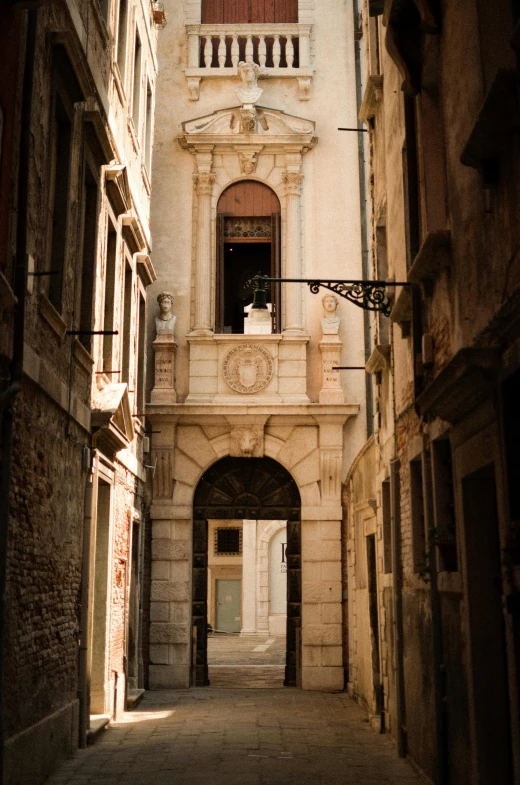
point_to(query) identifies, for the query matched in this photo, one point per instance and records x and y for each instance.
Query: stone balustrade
(280, 50)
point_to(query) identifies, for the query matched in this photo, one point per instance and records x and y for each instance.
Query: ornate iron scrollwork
(369, 295)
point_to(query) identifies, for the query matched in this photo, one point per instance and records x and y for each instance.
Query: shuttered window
(249, 11)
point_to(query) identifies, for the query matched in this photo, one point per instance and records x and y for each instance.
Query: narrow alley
(220, 736)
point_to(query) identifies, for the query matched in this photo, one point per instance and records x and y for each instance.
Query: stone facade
(248, 116)
(76, 112)
(431, 522)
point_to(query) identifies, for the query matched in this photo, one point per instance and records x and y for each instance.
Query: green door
(228, 606)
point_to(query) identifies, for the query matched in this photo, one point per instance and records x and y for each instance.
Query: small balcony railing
(280, 50)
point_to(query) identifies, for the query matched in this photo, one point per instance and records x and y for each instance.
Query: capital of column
(293, 182)
(204, 182)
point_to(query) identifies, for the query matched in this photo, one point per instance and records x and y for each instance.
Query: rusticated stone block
(170, 550)
(168, 633)
(169, 591)
(329, 635)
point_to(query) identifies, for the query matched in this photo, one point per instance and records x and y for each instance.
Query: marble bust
(330, 322)
(248, 92)
(165, 322)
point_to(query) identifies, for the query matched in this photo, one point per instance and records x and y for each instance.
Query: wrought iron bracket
(368, 295)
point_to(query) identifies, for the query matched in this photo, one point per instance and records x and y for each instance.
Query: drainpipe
(8, 396)
(397, 597)
(364, 222)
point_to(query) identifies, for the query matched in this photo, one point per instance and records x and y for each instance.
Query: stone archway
(238, 489)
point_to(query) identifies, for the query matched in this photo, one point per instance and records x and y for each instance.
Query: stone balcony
(280, 50)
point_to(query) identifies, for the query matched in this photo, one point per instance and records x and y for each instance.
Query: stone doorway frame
(282, 502)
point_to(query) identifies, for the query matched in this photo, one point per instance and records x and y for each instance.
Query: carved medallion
(248, 368)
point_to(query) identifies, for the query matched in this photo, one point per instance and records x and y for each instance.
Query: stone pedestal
(165, 349)
(331, 390)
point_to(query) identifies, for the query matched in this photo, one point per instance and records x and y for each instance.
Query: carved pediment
(112, 423)
(261, 124)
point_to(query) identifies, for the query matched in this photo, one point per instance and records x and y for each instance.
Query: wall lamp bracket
(368, 295)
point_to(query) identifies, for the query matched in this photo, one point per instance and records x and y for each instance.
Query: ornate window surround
(219, 150)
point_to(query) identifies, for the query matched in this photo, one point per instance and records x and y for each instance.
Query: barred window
(228, 541)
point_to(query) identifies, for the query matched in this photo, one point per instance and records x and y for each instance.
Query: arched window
(248, 237)
(249, 11)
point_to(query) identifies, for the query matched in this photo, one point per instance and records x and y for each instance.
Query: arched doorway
(239, 489)
(248, 242)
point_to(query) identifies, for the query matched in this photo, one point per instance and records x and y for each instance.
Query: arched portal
(248, 242)
(239, 489)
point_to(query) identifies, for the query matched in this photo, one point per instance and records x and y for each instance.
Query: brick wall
(44, 561)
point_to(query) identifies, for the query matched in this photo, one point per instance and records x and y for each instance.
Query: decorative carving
(270, 123)
(248, 162)
(163, 475)
(204, 182)
(330, 471)
(248, 93)
(330, 348)
(248, 120)
(248, 368)
(293, 182)
(247, 442)
(330, 322)
(304, 88)
(165, 322)
(248, 227)
(194, 87)
(257, 489)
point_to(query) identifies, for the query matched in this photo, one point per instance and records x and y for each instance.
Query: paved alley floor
(248, 662)
(208, 736)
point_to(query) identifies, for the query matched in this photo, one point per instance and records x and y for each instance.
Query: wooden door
(246, 11)
(219, 278)
(227, 611)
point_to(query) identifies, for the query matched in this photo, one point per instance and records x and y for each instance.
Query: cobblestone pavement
(252, 661)
(210, 736)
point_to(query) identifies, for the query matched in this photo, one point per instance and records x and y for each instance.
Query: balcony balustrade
(280, 50)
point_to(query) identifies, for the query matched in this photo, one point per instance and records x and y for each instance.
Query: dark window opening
(242, 261)
(122, 26)
(444, 505)
(60, 181)
(136, 93)
(417, 516)
(88, 270)
(141, 355)
(248, 242)
(387, 526)
(108, 315)
(127, 324)
(411, 181)
(228, 541)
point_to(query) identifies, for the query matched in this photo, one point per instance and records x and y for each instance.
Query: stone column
(293, 318)
(204, 180)
(248, 578)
